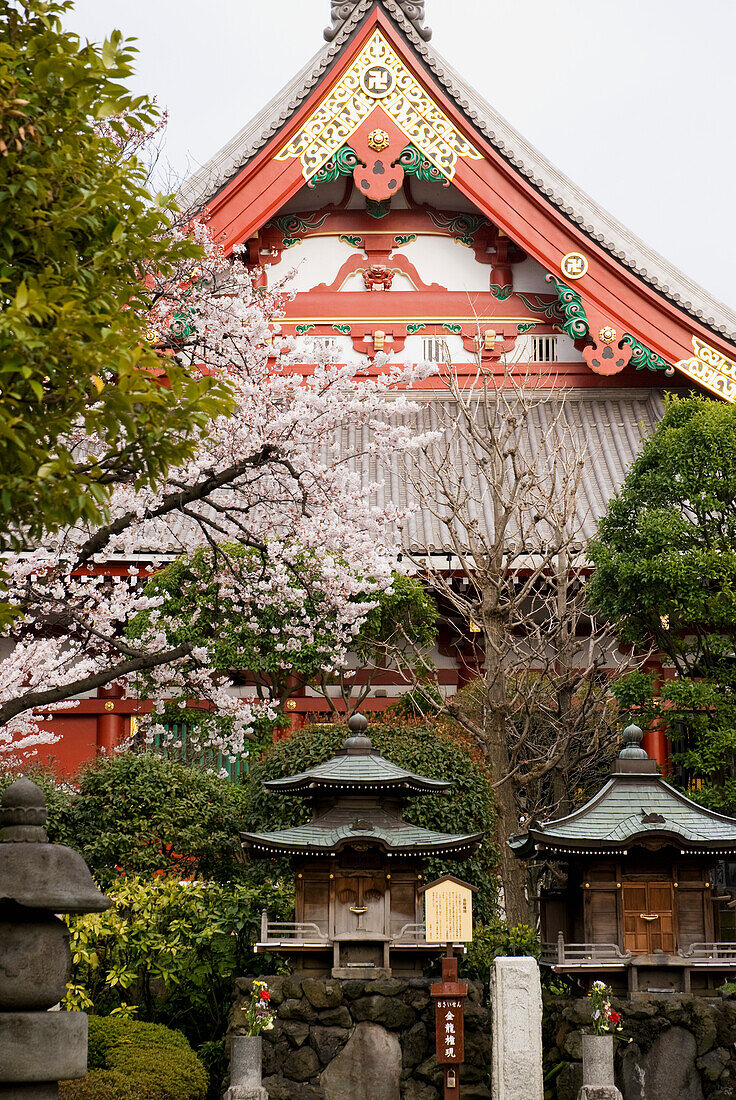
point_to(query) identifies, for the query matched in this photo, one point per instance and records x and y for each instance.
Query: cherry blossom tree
(275, 477)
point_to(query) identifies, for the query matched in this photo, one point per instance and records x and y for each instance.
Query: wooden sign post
(448, 918)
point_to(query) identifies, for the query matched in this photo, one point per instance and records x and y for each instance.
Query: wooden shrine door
(360, 903)
(649, 918)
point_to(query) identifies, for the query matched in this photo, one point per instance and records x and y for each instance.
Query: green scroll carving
(414, 327)
(462, 226)
(501, 293)
(291, 225)
(643, 358)
(351, 238)
(404, 238)
(343, 329)
(415, 164)
(574, 320)
(302, 330)
(456, 329)
(341, 164)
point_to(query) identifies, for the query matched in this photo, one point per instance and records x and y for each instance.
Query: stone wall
(363, 1040)
(681, 1048)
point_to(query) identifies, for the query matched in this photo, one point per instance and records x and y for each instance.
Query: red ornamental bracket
(449, 999)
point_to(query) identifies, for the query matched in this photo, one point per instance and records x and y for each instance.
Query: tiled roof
(627, 808)
(612, 425)
(549, 181)
(370, 770)
(407, 839)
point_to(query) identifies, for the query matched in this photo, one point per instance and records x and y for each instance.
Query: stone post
(38, 1048)
(516, 1006)
(598, 1069)
(246, 1060)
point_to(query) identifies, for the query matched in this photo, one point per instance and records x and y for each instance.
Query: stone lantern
(38, 880)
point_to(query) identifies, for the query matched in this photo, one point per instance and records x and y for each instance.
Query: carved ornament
(378, 77)
(712, 369)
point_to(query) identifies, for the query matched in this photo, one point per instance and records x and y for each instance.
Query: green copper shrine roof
(636, 804)
(358, 767)
(339, 829)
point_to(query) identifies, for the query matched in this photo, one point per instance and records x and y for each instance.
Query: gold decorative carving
(712, 369)
(378, 77)
(607, 334)
(378, 139)
(574, 265)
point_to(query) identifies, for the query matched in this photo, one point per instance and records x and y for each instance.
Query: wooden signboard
(449, 1029)
(448, 910)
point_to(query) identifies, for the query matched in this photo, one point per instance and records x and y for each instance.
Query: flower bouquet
(258, 1015)
(606, 1020)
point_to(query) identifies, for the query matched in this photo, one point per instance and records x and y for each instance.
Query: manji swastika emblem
(574, 265)
(377, 81)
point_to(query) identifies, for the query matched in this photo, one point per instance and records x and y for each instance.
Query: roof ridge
(411, 10)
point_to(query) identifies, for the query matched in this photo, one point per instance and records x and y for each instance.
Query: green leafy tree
(83, 247)
(168, 951)
(437, 750)
(138, 813)
(665, 574)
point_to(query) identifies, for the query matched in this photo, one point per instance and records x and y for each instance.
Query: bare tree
(503, 486)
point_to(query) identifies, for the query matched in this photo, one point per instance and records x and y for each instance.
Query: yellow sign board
(448, 911)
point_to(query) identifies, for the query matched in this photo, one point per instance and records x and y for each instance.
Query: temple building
(421, 224)
(358, 866)
(629, 884)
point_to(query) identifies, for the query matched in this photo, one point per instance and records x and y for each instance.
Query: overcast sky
(633, 99)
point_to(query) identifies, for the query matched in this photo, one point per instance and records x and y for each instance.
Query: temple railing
(591, 955)
(308, 933)
(288, 932)
(703, 954)
(582, 954)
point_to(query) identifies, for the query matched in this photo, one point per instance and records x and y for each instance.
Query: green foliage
(494, 939)
(170, 950)
(78, 230)
(665, 573)
(139, 813)
(437, 751)
(404, 616)
(128, 1060)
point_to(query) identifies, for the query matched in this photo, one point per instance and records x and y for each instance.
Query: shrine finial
(413, 10)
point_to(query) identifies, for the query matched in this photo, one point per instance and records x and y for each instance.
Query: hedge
(130, 1060)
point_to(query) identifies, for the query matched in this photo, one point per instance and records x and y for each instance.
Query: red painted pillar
(110, 725)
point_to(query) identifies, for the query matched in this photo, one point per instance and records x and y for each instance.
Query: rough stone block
(301, 1064)
(301, 1009)
(328, 1041)
(516, 996)
(246, 1060)
(279, 1088)
(322, 994)
(599, 1092)
(415, 1045)
(296, 1031)
(335, 1017)
(367, 1068)
(389, 1011)
(42, 1046)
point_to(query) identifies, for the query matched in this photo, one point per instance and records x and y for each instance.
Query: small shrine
(358, 866)
(629, 884)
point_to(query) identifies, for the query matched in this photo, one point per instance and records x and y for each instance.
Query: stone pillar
(38, 880)
(246, 1060)
(516, 1005)
(598, 1069)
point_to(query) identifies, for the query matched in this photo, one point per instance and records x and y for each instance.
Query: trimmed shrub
(130, 1060)
(437, 750)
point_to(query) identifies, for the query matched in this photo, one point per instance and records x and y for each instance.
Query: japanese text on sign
(449, 1030)
(448, 913)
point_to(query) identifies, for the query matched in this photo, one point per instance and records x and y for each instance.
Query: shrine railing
(582, 954)
(287, 932)
(704, 954)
